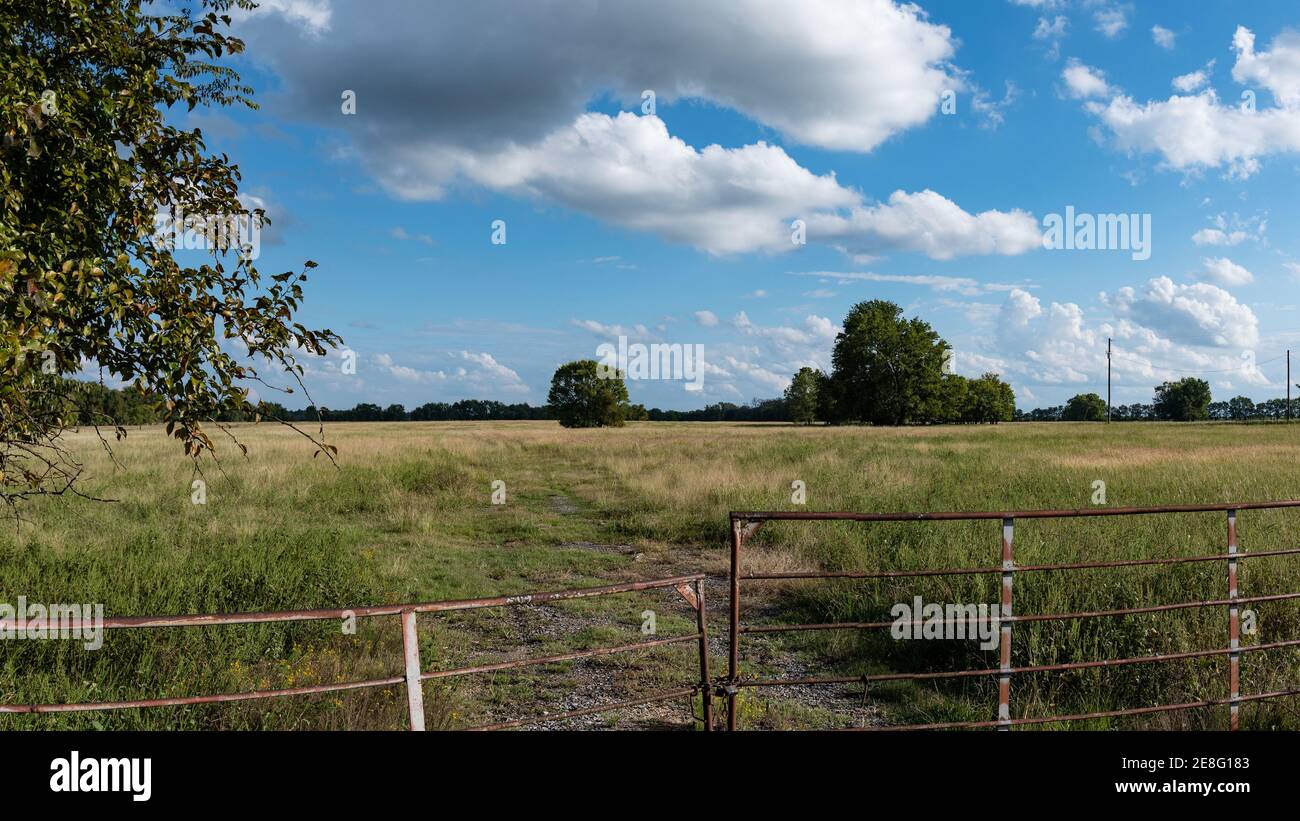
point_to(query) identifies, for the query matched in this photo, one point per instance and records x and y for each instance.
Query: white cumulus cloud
(928, 222)
(1223, 271)
(1194, 314)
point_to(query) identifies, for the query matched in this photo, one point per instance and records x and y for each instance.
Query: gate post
(414, 689)
(706, 695)
(1004, 643)
(733, 665)
(1234, 625)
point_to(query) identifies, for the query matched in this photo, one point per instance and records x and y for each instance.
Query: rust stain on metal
(688, 595)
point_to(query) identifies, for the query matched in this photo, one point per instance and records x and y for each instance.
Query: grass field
(407, 515)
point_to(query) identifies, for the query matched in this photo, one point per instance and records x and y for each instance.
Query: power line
(1221, 370)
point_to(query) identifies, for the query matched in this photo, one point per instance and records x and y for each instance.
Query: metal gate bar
(690, 588)
(745, 524)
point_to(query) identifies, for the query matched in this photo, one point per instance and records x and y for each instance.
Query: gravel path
(597, 681)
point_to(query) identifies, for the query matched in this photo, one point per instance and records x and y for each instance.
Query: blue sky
(674, 226)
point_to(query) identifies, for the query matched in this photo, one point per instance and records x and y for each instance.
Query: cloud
(821, 327)
(1083, 82)
(1051, 32)
(1277, 69)
(940, 284)
(313, 17)
(485, 373)
(495, 369)
(1223, 271)
(1162, 37)
(990, 110)
(1057, 345)
(1213, 236)
(400, 233)
(628, 170)
(1192, 80)
(1051, 346)
(1195, 314)
(929, 223)
(708, 319)
(1195, 132)
(507, 113)
(601, 329)
(816, 329)
(763, 376)
(1053, 29)
(407, 374)
(1111, 20)
(1232, 231)
(839, 74)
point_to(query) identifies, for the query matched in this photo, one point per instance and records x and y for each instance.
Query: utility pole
(1288, 385)
(1288, 379)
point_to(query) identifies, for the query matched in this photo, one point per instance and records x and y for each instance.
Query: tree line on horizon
(1186, 400)
(102, 405)
(886, 370)
(98, 404)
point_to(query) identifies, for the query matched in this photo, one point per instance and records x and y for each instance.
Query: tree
(954, 399)
(1241, 407)
(1186, 400)
(1085, 407)
(887, 369)
(87, 164)
(828, 399)
(989, 400)
(582, 396)
(801, 396)
(637, 413)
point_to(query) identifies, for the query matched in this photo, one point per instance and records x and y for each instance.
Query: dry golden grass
(406, 515)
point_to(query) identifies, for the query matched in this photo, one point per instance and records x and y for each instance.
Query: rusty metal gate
(690, 588)
(744, 524)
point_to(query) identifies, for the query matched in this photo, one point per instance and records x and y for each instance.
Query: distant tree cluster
(96, 404)
(90, 403)
(757, 410)
(888, 370)
(1242, 408)
(1086, 407)
(1186, 400)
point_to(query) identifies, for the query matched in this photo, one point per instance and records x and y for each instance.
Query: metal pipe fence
(744, 524)
(690, 588)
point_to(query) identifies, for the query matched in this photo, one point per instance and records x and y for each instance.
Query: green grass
(407, 516)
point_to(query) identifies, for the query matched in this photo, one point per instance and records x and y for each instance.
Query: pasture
(408, 515)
